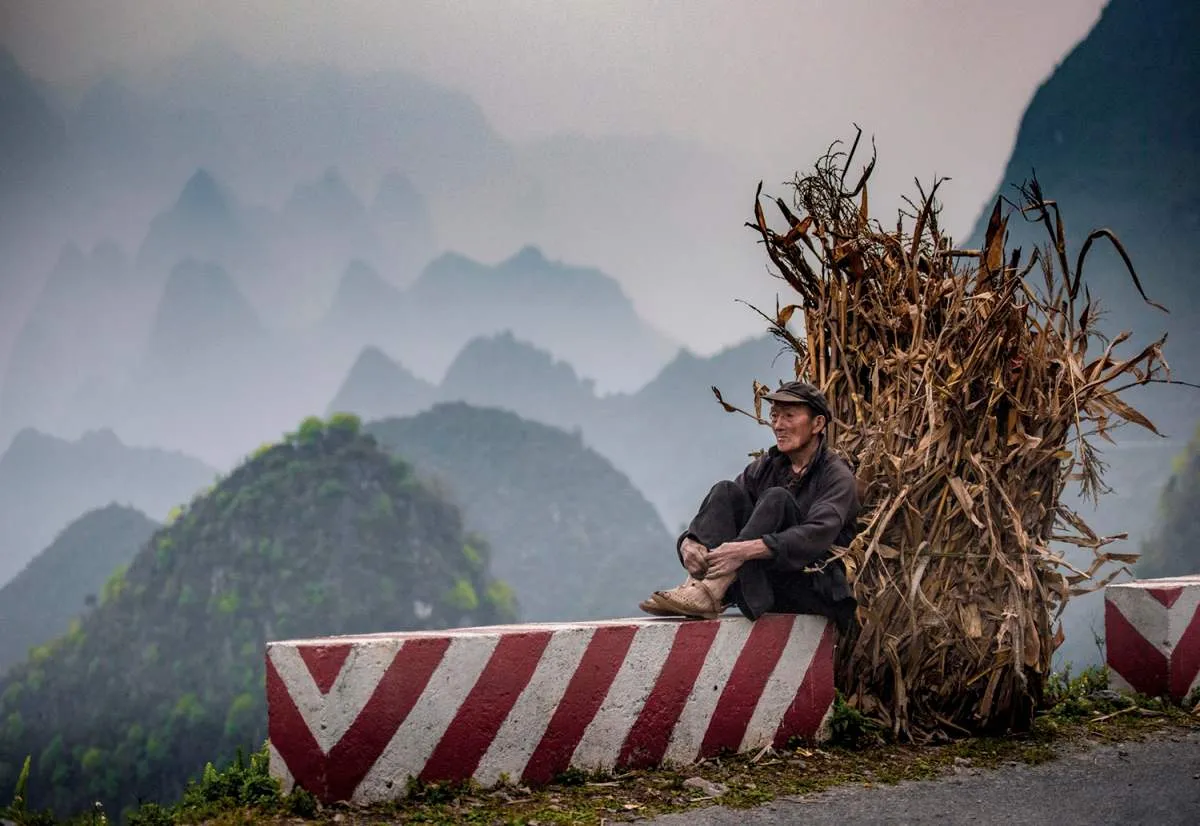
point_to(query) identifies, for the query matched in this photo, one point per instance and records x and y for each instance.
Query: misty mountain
(202, 319)
(60, 582)
(401, 217)
(503, 371)
(203, 223)
(1115, 140)
(321, 227)
(212, 379)
(378, 387)
(422, 156)
(73, 345)
(32, 134)
(321, 534)
(670, 438)
(579, 314)
(32, 139)
(568, 532)
(46, 482)
(121, 139)
(309, 117)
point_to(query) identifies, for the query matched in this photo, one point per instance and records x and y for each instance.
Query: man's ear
(820, 418)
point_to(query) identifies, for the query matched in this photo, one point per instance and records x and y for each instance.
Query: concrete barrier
(354, 718)
(1152, 635)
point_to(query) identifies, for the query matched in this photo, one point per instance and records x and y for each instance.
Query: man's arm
(801, 545)
(748, 480)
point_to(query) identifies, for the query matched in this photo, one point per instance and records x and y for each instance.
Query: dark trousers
(728, 515)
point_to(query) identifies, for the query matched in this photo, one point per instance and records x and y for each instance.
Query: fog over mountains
(195, 261)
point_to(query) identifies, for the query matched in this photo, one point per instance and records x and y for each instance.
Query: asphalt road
(1154, 782)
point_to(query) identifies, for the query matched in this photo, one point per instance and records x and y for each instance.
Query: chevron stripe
(357, 718)
(1152, 635)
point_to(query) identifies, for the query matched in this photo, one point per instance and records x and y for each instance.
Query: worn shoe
(653, 608)
(692, 599)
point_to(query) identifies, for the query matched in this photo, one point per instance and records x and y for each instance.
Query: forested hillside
(570, 533)
(323, 533)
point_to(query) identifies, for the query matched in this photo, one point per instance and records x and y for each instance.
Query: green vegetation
(1174, 549)
(321, 534)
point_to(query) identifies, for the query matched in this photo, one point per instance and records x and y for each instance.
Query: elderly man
(762, 542)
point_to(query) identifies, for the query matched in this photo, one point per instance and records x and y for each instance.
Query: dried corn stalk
(970, 393)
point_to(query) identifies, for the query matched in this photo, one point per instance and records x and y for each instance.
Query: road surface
(1154, 782)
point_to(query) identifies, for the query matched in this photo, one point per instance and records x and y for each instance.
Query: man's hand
(695, 557)
(724, 560)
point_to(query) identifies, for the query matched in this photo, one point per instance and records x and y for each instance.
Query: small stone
(962, 761)
(705, 787)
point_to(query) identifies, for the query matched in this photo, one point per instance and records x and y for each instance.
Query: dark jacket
(827, 504)
(826, 495)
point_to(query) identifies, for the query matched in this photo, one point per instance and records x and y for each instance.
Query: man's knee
(774, 497)
(726, 489)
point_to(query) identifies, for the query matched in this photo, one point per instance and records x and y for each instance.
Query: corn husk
(970, 387)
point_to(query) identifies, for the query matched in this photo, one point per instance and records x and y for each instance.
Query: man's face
(794, 425)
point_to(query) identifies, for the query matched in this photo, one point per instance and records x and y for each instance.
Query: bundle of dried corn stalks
(970, 393)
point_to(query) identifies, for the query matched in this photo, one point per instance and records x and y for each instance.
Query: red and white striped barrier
(354, 718)
(1152, 635)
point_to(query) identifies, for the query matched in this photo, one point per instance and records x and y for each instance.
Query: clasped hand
(724, 560)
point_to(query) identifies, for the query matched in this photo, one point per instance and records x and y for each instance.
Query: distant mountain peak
(203, 222)
(201, 191)
(395, 187)
(379, 385)
(104, 437)
(527, 258)
(327, 196)
(201, 307)
(29, 439)
(360, 276)
(362, 293)
(372, 360)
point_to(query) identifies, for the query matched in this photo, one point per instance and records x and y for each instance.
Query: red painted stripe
(751, 671)
(291, 737)
(483, 712)
(648, 739)
(324, 662)
(585, 692)
(1133, 656)
(395, 695)
(1166, 596)
(1185, 659)
(814, 697)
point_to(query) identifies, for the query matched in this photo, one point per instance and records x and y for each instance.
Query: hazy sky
(941, 83)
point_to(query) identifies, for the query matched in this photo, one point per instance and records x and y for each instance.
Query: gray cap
(801, 392)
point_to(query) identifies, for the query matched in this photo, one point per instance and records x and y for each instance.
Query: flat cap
(801, 392)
